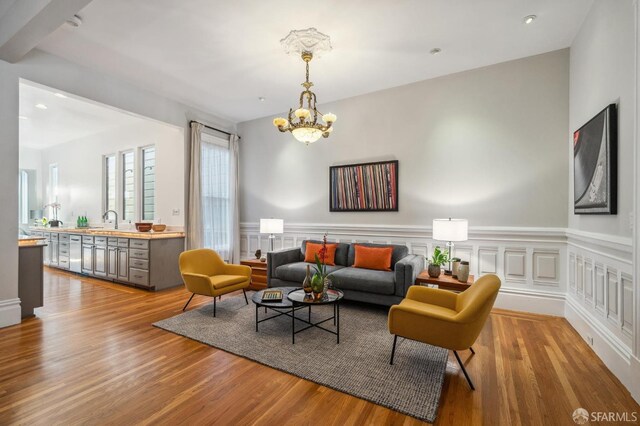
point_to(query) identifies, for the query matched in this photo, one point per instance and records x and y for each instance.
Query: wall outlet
(589, 340)
(175, 212)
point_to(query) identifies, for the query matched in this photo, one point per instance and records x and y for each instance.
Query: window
(128, 186)
(23, 201)
(148, 183)
(53, 183)
(110, 182)
(214, 175)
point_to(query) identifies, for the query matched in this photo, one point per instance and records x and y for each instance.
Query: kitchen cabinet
(46, 259)
(145, 262)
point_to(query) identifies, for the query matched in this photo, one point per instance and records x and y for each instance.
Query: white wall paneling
(600, 305)
(530, 261)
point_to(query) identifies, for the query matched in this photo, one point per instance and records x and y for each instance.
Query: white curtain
(234, 178)
(194, 216)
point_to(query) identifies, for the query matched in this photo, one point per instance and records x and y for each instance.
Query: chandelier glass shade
(303, 122)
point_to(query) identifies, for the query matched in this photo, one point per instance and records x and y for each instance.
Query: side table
(258, 273)
(446, 282)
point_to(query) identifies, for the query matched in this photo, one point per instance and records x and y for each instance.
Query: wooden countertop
(31, 241)
(114, 233)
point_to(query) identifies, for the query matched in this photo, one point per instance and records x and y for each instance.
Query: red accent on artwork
(576, 136)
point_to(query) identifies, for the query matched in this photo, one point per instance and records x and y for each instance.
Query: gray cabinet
(112, 262)
(87, 259)
(46, 258)
(143, 262)
(123, 264)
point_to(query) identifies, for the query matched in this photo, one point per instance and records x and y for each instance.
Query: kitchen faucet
(104, 216)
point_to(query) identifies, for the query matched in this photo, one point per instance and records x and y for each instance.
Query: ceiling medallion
(303, 122)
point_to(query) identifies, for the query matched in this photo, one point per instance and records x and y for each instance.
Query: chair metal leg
(464, 371)
(245, 296)
(471, 349)
(393, 350)
(188, 301)
(214, 307)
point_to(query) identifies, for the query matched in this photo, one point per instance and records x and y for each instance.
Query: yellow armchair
(443, 318)
(204, 272)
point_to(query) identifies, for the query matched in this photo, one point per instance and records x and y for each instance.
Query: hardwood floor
(92, 357)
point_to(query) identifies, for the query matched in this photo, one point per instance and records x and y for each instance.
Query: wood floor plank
(91, 356)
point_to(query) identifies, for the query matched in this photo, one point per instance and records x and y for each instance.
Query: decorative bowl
(143, 227)
(159, 228)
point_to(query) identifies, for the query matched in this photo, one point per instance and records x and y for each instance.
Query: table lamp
(450, 230)
(271, 227)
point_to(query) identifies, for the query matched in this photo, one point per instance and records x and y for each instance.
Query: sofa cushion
(399, 251)
(342, 251)
(378, 258)
(296, 272)
(365, 280)
(313, 249)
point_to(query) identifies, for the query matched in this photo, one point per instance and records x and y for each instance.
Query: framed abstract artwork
(366, 187)
(595, 164)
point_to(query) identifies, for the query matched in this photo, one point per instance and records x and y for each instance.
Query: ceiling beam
(26, 23)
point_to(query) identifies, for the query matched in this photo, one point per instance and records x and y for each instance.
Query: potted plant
(438, 259)
(320, 279)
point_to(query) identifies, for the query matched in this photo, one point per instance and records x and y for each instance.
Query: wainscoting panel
(531, 261)
(600, 305)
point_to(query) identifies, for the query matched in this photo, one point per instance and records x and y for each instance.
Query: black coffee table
(294, 300)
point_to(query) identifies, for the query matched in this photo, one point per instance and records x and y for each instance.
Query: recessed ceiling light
(41, 106)
(22, 117)
(75, 21)
(261, 99)
(60, 95)
(529, 19)
(435, 51)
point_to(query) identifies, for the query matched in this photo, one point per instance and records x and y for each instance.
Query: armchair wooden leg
(471, 349)
(464, 371)
(393, 350)
(188, 301)
(245, 296)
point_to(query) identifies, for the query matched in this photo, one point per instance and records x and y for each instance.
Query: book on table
(272, 296)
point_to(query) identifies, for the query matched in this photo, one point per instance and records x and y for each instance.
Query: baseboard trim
(536, 302)
(10, 312)
(609, 348)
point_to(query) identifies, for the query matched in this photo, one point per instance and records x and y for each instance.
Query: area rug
(358, 366)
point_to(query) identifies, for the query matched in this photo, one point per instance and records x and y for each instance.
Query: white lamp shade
(271, 226)
(450, 229)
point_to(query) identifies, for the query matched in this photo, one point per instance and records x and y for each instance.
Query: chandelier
(303, 122)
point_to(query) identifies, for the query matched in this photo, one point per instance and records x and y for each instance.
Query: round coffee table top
(299, 297)
(285, 303)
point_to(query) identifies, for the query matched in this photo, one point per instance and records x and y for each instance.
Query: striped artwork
(364, 187)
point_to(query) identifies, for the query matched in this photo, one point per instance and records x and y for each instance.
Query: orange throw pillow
(314, 248)
(378, 258)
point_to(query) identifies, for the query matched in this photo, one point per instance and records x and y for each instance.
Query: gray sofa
(287, 268)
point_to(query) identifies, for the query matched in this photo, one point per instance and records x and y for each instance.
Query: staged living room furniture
(204, 272)
(442, 318)
(294, 300)
(258, 273)
(287, 268)
(446, 282)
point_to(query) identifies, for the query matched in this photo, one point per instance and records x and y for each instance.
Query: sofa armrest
(406, 271)
(279, 258)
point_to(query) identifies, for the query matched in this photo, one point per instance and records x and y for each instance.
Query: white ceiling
(65, 119)
(221, 56)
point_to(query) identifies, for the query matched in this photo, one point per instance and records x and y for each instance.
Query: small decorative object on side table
(258, 273)
(446, 282)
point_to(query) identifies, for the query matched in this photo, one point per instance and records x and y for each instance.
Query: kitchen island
(30, 274)
(143, 259)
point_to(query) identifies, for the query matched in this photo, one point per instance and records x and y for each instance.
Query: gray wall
(602, 71)
(487, 144)
(55, 72)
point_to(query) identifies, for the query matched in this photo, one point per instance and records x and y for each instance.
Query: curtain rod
(212, 128)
